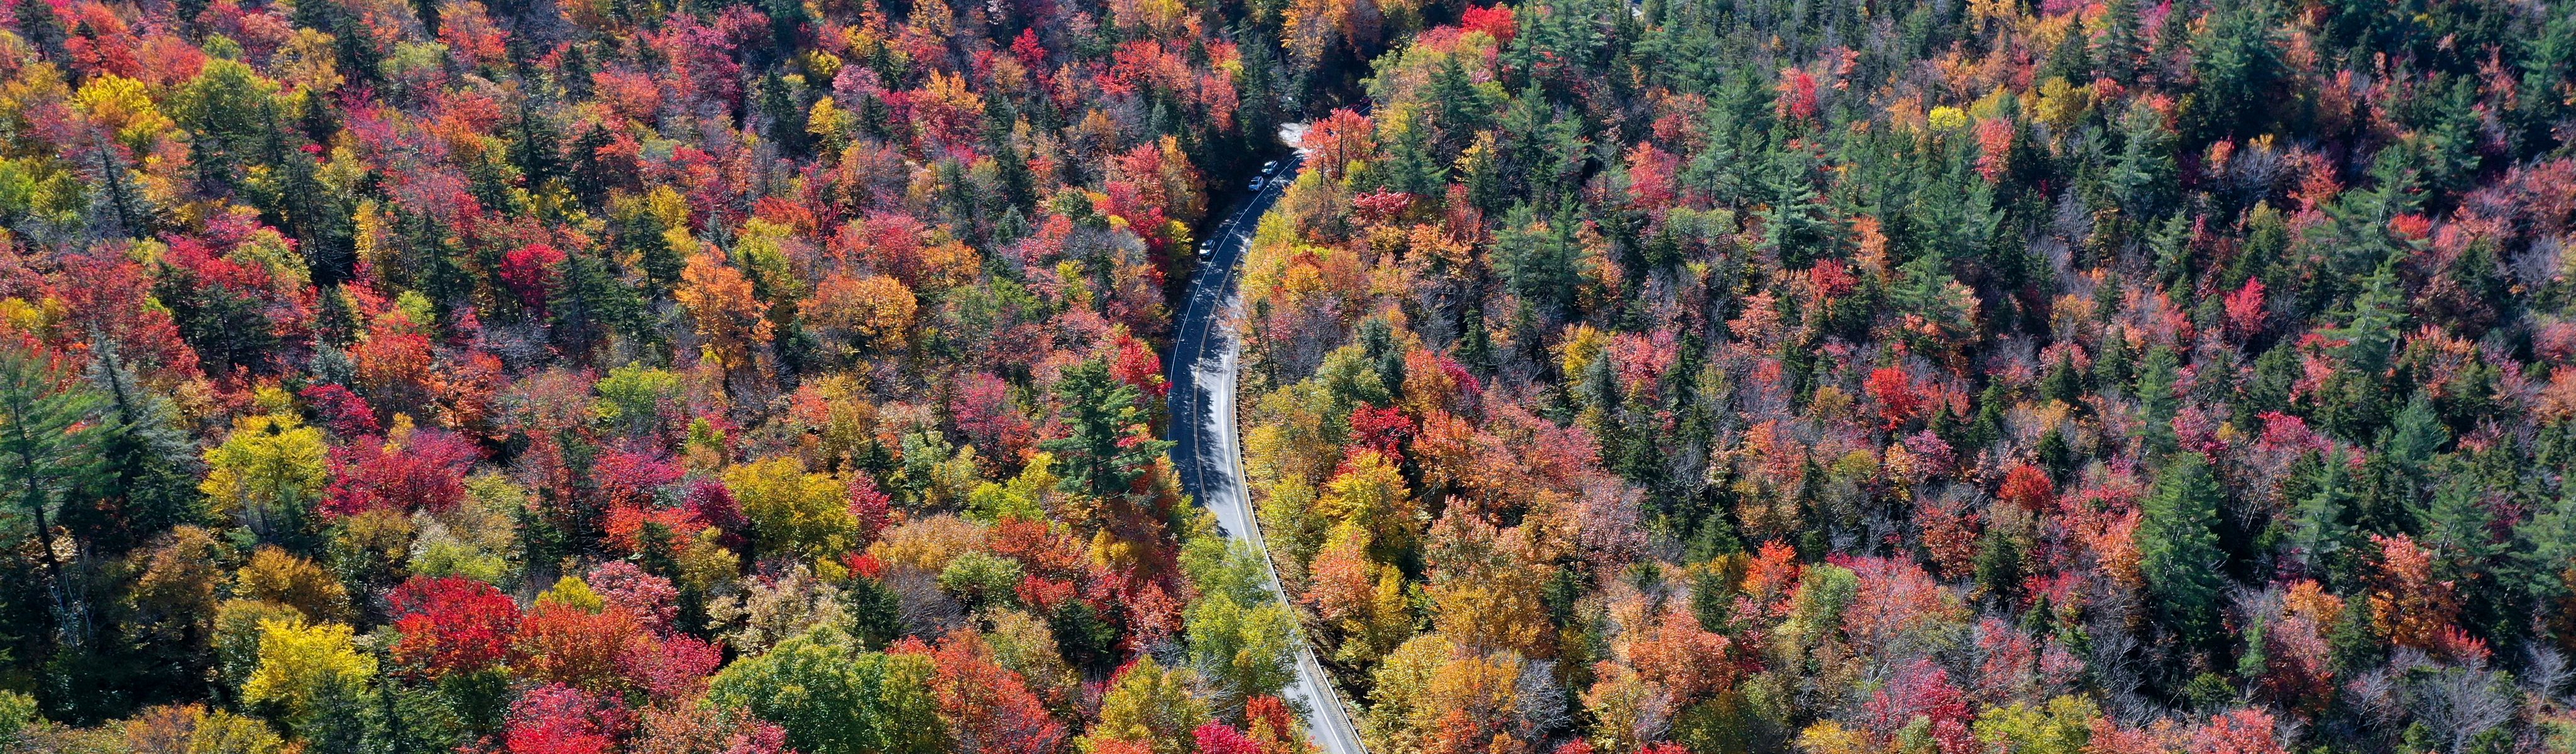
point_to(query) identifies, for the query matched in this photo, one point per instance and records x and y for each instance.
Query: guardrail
(1330, 715)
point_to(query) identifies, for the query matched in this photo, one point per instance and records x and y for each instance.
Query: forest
(1840, 377)
(1622, 377)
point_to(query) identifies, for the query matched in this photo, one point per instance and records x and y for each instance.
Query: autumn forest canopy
(1706, 376)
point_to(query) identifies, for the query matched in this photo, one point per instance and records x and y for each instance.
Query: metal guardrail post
(1334, 707)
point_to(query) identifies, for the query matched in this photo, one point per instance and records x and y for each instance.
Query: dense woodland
(592, 376)
(616, 376)
(1843, 377)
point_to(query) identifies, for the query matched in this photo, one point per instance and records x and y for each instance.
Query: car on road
(1210, 457)
(1270, 167)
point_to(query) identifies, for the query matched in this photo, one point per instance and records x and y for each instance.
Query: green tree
(2544, 548)
(1150, 705)
(44, 445)
(1538, 258)
(269, 471)
(834, 698)
(1239, 631)
(226, 112)
(312, 678)
(2157, 399)
(1110, 444)
(144, 478)
(2178, 549)
(2320, 530)
(875, 613)
(2142, 177)
(591, 303)
(2236, 60)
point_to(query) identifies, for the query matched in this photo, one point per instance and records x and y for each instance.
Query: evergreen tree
(2157, 399)
(39, 24)
(588, 176)
(876, 615)
(2320, 531)
(44, 446)
(1412, 165)
(2178, 550)
(144, 477)
(1109, 445)
(535, 145)
(590, 302)
(1538, 259)
(785, 115)
(2142, 178)
(2543, 565)
(2236, 65)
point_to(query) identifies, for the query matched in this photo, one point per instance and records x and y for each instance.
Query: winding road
(1208, 451)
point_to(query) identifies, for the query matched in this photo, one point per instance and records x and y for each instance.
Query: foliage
(1617, 377)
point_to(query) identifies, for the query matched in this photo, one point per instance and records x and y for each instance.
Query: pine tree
(2178, 550)
(2373, 321)
(44, 444)
(786, 117)
(1539, 259)
(590, 303)
(875, 614)
(1411, 165)
(2117, 50)
(1460, 108)
(355, 44)
(2236, 64)
(426, 10)
(125, 206)
(2544, 548)
(41, 25)
(2143, 176)
(588, 177)
(1109, 445)
(145, 469)
(2157, 399)
(2320, 531)
(535, 146)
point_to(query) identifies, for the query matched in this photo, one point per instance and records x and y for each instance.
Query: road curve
(1208, 451)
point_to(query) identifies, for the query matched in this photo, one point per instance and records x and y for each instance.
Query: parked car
(1207, 247)
(1270, 167)
(1256, 184)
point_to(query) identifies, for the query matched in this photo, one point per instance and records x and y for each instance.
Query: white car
(1207, 247)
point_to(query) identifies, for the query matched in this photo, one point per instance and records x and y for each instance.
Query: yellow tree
(269, 471)
(1429, 681)
(1150, 705)
(1494, 609)
(793, 511)
(2063, 726)
(278, 576)
(1369, 492)
(728, 316)
(313, 675)
(1363, 598)
(1627, 709)
(123, 108)
(874, 313)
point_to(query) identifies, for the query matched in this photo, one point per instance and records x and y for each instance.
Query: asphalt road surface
(1208, 451)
